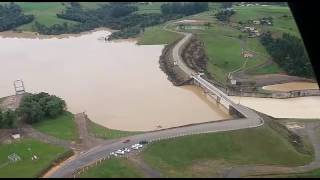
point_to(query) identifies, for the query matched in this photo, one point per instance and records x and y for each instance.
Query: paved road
(103, 150)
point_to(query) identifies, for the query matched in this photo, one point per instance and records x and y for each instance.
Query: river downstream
(118, 84)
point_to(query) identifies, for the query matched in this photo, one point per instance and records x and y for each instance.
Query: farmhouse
(252, 31)
(247, 54)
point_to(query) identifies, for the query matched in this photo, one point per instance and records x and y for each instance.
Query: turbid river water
(292, 86)
(118, 84)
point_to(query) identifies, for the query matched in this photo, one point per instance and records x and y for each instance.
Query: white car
(113, 154)
(126, 150)
(120, 152)
(136, 146)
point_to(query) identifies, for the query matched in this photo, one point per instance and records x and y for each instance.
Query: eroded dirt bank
(167, 65)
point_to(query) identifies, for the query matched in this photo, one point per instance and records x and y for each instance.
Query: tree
(37, 107)
(11, 16)
(8, 119)
(289, 52)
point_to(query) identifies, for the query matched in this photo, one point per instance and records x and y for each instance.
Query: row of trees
(114, 15)
(8, 119)
(186, 8)
(11, 17)
(289, 52)
(38, 107)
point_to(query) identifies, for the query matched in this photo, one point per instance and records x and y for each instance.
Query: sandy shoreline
(35, 35)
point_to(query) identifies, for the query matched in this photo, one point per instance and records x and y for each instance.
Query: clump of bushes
(38, 107)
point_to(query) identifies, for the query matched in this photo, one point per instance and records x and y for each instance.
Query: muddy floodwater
(291, 86)
(302, 107)
(118, 84)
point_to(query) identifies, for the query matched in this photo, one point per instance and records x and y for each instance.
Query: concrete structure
(248, 119)
(19, 87)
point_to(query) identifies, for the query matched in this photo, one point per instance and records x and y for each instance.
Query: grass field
(113, 168)
(156, 35)
(281, 24)
(45, 12)
(223, 47)
(62, 127)
(105, 133)
(311, 174)
(179, 157)
(26, 168)
(154, 7)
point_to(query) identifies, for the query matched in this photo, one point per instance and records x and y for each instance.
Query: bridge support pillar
(218, 99)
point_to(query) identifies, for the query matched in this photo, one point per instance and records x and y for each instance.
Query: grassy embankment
(196, 156)
(222, 42)
(156, 35)
(62, 127)
(223, 45)
(26, 168)
(207, 154)
(113, 168)
(105, 133)
(311, 174)
(281, 24)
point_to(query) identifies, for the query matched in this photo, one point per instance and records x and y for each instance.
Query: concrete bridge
(248, 119)
(222, 98)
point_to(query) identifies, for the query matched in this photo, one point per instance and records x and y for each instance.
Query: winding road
(101, 151)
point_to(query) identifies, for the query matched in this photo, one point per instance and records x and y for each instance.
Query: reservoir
(118, 84)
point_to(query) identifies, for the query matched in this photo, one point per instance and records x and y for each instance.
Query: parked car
(113, 154)
(143, 142)
(119, 152)
(126, 150)
(136, 146)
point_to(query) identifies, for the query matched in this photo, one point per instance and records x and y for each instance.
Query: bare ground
(86, 140)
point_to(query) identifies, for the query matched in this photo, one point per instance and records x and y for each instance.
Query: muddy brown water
(291, 86)
(118, 84)
(301, 107)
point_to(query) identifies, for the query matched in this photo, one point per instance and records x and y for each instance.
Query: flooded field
(118, 84)
(292, 86)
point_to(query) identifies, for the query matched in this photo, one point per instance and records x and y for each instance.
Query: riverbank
(35, 35)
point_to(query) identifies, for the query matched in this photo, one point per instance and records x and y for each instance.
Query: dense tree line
(8, 119)
(37, 107)
(186, 8)
(289, 52)
(224, 15)
(11, 17)
(115, 15)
